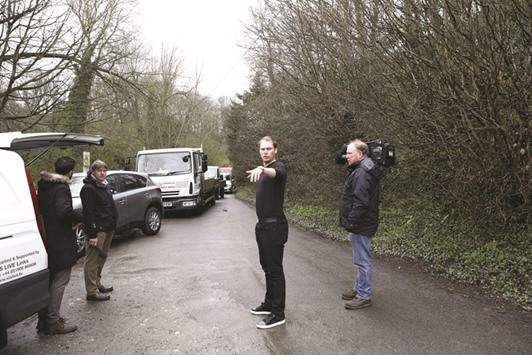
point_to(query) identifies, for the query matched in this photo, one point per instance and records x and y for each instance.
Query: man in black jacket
(100, 222)
(359, 215)
(55, 204)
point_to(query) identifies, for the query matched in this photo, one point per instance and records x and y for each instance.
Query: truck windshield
(160, 164)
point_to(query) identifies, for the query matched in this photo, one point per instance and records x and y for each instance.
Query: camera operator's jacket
(359, 206)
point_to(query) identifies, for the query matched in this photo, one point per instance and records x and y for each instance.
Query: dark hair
(64, 165)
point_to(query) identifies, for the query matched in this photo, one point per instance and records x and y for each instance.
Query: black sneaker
(271, 321)
(262, 309)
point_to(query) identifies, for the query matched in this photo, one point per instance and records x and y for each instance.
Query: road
(188, 290)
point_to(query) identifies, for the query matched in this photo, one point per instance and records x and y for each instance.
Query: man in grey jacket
(359, 215)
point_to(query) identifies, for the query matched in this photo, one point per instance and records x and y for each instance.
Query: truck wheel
(152, 221)
(81, 241)
(200, 206)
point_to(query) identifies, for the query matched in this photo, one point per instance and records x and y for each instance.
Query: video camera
(382, 153)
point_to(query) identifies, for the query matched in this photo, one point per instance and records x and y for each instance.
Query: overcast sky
(207, 32)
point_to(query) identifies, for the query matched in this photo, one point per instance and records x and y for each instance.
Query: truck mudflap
(22, 298)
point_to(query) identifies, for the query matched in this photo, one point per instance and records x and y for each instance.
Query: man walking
(100, 221)
(55, 204)
(359, 215)
(271, 231)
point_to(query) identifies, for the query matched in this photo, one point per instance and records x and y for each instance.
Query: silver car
(137, 199)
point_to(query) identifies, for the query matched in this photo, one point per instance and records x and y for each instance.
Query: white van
(23, 260)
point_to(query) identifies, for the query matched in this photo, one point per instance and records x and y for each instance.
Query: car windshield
(161, 164)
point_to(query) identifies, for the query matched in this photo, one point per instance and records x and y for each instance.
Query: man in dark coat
(55, 204)
(359, 215)
(100, 222)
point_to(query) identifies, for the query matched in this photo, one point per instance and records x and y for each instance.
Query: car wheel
(152, 221)
(81, 241)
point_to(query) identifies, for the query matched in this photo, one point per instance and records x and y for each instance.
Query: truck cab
(180, 173)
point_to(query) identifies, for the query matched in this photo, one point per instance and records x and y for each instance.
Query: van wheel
(81, 240)
(152, 221)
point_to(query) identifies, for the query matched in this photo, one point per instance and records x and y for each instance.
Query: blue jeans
(361, 246)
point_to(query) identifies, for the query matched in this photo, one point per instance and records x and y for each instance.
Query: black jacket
(98, 207)
(359, 206)
(55, 204)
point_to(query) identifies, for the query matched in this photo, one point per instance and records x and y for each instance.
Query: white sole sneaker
(262, 325)
(259, 312)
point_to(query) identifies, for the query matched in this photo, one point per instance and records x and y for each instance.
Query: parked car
(138, 201)
(24, 274)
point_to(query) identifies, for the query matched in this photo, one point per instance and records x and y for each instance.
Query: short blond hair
(360, 146)
(98, 164)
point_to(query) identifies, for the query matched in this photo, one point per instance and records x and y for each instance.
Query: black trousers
(271, 238)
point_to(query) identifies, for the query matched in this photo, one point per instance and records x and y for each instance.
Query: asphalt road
(188, 290)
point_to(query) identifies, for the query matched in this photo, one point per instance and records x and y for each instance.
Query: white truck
(179, 172)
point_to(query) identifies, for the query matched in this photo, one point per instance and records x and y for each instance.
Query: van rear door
(23, 258)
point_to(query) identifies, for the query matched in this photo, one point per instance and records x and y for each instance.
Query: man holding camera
(359, 215)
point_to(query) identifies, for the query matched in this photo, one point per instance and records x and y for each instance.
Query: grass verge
(501, 265)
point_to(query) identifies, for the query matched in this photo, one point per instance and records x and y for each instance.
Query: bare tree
(36, 54)
(108, 40)
(440, 79)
